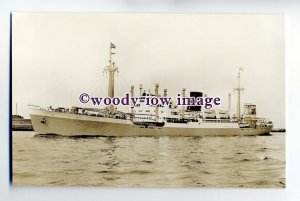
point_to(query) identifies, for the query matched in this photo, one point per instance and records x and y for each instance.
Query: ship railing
(34, 107)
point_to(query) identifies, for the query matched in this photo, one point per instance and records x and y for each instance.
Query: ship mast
(239, 89)
(111, 69)
(229, 102)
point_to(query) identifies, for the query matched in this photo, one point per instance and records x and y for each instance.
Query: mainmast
(229, 102)
(111, 69)
(239, 89)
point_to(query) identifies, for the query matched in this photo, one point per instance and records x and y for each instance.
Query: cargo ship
(143, 120)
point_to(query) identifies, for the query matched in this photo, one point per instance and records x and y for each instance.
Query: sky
(57, 56)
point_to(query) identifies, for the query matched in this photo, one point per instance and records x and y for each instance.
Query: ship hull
(66, 124)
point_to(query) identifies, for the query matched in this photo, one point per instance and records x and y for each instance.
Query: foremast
(112, 69)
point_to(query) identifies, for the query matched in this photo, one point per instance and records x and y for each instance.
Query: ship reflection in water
(256, 161)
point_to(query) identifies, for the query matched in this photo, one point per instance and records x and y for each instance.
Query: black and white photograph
(148, 100)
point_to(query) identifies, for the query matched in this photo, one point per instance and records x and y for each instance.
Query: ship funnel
(195, 94)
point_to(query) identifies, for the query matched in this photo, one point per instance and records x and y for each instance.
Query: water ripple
(256, 161)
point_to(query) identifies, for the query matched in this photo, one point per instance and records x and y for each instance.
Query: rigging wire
(50, 89)
(96, 87)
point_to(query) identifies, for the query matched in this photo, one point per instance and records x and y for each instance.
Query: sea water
(254, 161)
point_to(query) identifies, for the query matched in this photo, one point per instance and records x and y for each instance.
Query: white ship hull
(67, 124)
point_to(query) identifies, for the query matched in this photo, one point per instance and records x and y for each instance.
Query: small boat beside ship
(144, 120)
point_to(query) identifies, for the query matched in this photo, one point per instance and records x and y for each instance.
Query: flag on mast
(112, 45)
